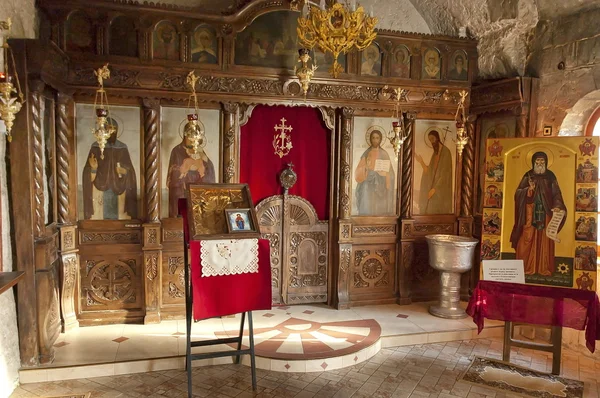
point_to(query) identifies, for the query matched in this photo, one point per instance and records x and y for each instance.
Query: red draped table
(220, 295)
(556, 307)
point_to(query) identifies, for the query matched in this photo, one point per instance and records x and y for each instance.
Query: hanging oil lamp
(103, 128)
(194, 129)
(462, 136)
(11, 97)
(305, 73)
(398, 134)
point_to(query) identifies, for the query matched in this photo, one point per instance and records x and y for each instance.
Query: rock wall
(503, 29)
(25, 21)
(566, 57)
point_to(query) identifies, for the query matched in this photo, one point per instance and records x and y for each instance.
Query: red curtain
(260, 166)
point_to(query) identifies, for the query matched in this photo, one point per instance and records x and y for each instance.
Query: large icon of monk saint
(537, 198)
(109, 184)
(186, 167)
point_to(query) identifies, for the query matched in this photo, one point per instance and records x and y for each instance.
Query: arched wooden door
(299, 249)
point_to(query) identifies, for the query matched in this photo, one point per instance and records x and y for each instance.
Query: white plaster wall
(25, 22)
(9, 336)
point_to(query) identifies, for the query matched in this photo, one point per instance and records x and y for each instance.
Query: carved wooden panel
(68, 294)
(48, 311)
(270, 220)
(111, 281)
(372, 271)
(425, 283)
(299, 249)
(373, 230)
(173, 279)
(97, 237)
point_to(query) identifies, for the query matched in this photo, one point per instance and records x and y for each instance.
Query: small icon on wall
(547, 131)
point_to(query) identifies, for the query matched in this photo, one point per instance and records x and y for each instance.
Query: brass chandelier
(336, 29)
(11, 97)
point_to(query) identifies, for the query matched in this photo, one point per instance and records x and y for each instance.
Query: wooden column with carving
(345, 225)
(67, 179)
(404, 270)
(45, 254)
(465, 218)
(230, 142)
(21, 168)
(151, 244)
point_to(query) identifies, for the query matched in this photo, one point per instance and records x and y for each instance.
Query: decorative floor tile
(268, 315)
(121, 339)
(402, 316)
(308, 312)
(299, 339)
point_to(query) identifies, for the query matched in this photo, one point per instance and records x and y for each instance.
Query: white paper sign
(382, 165)
(504, 271)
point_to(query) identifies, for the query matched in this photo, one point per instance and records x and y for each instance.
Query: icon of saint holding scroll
(538, 205)
(375, 177)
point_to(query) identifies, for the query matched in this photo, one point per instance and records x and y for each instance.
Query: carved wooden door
(299, 249)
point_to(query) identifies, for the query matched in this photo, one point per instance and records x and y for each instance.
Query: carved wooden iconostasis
(341, 236)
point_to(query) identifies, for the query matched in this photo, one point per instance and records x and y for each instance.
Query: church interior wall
(394, 239)
(565, 58)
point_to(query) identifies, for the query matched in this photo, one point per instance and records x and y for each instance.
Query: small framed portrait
(239, 220)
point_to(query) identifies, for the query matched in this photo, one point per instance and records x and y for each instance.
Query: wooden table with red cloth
(227, 294)
(539, 305)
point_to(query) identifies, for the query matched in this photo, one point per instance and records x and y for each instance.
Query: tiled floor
(420, 371)
(400, 325)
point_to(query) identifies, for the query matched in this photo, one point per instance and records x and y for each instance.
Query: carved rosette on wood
(230, 144)
(373, 271)
(37, 99)
(151, 156)
(407, 169)
(64, 136)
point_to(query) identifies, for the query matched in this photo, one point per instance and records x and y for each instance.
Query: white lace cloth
(229, 257)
